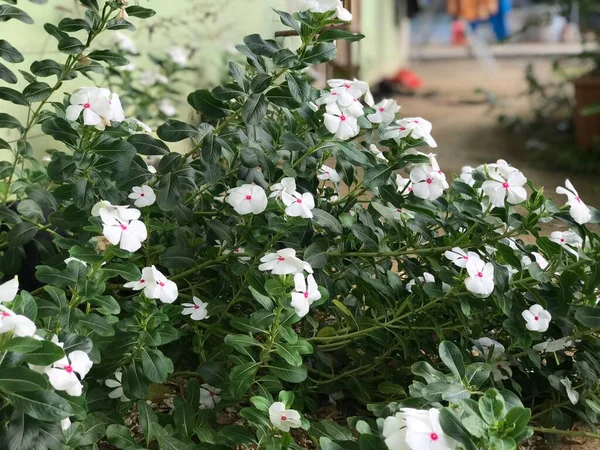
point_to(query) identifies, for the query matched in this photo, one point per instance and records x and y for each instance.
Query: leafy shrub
(253, 283)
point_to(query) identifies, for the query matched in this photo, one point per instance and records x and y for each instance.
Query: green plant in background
(301, 252)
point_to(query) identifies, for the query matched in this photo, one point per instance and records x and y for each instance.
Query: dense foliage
(301, 254)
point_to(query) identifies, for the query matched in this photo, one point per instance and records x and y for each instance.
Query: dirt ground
(468, 133)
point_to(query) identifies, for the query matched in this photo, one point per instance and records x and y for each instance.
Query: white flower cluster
(414, 127)
(426, 181)
(155, 285)
(493, 353)
(120, 225)
(99, 106)
(322, 6)
(414, 429)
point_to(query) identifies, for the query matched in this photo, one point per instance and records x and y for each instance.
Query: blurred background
(510, 79)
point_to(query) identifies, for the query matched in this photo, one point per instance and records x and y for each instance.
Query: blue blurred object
(498, 20)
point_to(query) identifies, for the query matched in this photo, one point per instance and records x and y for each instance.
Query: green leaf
(261, 82)
(21, 234)
(257, 419)
(175, 131)
(8, 12)
(108, 56)
(588, 316)
(10, 95)
(454, 428)
(71, 46)
(286, 58)
(147, 145)
(255, 109)
(97, 324)
(316, 253)
(105, 304)
(452, 358)
(46, 68)
(168, 192)
(202, 100)
(127, 271)
(261, 403)
(320, 53)
(477, 374)
(21, 379)
(61, 130)
(120, 436)
(22, 344)
(45, 354)
(287, 372)
(61, 169)
(53, 31)
(46, 406)
(365, 235)
(140, 12)
(289, 353)
(326, 220)
(8, 121)
(178, 257)
(36, 92)
(299, 87)
(156, 365)
(146, 417)
(491, 406)
(288, 20)
(7, 75)
(371, 442)
(377, 176)
(261, 47)
(135, 385)
(475, 425)
(265, 301)
(69, 25)
(9, 53)
(334, 35)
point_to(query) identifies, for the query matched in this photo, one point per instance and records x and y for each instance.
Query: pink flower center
(123, 227)
(381, 109)
(211, 393)
(434, 436)
(196, 307)
(306, 294)
(283, 418)
(429, 181)
(505, 185)
(465, 257)
(87, 106)
(327, 172)
(402, 129)
(562, 240)
(415, 121)
(280, 258)
(237, 250)
(347, 86)
(342, 118)
(480, 274)
(499, 366)
(142, 281)
(536, 318)
(409, 189)
(142, 194)
(248, 197)
(5, 314)
(334, 93)
(161, 284)
(578, 199)
(68, 369)
(399, 210)
(298, 200)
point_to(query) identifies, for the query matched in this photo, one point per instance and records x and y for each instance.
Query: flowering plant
(262, 274)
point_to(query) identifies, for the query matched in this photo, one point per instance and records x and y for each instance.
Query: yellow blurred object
(472, 10)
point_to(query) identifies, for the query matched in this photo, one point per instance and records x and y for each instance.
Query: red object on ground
(458, 33)
(408, 78)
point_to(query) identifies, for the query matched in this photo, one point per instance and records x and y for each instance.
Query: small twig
(566, 432)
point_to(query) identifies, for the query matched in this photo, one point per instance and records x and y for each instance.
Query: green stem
(566, 432)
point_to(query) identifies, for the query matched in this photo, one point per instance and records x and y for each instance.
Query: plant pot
(587, 93)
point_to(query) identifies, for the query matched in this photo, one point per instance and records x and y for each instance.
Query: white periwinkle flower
(416, 127)
(501, 370)
(306, 293)
(147, 279)
(571, 393)
(94, 104)
(150, 77)
(385, 112)
(8, 290)
(129, 234)
(327, 173)
(426, 278)
(65, 424)
(403, 185)
(137, 126)
(540, 261)
(425, 432)
(283, 418)
(179, 55)
(553, 345)
(492, 350)
(537, 318)
(340, 122)
(63, 373)
(197, 310)
(124, 42)
(159, 287)
(427, 183)
(394, 432)
(287, 185)
(116, 385)
(578, 210)
(19, 325)
(143, 196)
(284, 262)
(466, 175)
(378, 154)
(481, 277)
(348, 91)
(459, 257)
(511, 188)
(247, 199)
(167, 107)
(299, 205)
(209, 396)
(567, 239)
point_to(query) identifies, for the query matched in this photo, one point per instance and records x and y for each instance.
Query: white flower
(151, 169)
(341, 123)
(500, 167)
(129, 234)
(247, 199)
(299, 205)
(120, 212)
(459, 257)
(578, 210)
(127, 67)
(416, 127)
(569, 240)
(377, 153)
(287, 185)
(385, 112)
(313, 106)
(65, 424)
(348, 91)
(197, 310)
(117, 386)
(20, 326)
(143, 196)
(137, 126)
(426, 278)
(501, 370)
(571, 393)
(124, 42)
(167, 107)
(425, 432)
(161, 288)
(306, 293)
(179, 55)
(403, 185)
(284, 262)
(209, 396)
(95, 105)
(116, 109)
(150, 77)
(553, 345)
(73, 259)
(540, 261)
(492, 350)
(327, 173)
(511, 187)
(63, 373)
(394, 432)
(426, 183)
(467, 175)
(481, 277)
(282, 418)
(147, 279)
(8, 290)
(537, 318)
